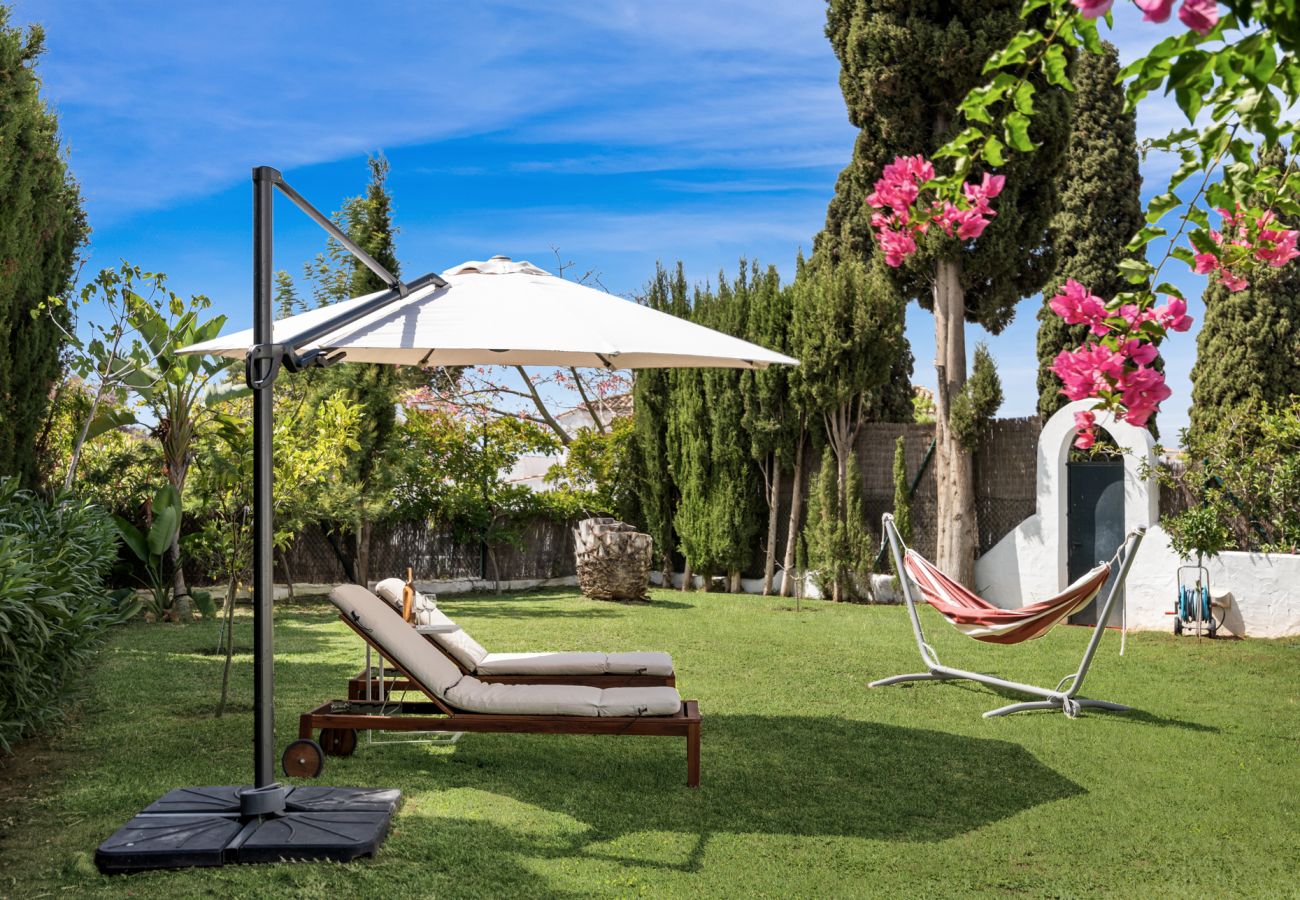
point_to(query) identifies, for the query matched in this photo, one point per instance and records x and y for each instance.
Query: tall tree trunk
(229, 627)
(953, 469)
(687, 575)
(284, 567)
(733, 581)
(773, 510)
(792, 532)
(364, 529)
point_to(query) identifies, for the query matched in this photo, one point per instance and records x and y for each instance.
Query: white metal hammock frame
(1065, 695)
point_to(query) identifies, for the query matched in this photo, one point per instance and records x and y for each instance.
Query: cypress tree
(690, 460)
(903, 69)
(839, 544)
(1101, 208)
(42, 227)
(1248, 348)
(735, 491)
(651, 413)
(902, 499)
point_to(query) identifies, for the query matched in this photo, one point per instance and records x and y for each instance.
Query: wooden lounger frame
(378, 691)
(437, 715)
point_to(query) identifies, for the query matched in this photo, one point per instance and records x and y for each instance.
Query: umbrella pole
(263, 521)
(267, 822)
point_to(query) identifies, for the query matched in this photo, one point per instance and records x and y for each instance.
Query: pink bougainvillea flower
(898, 246)
(1173, 315)
(1135, 315)
(1093, 9)
(1277, 247)
(1232, 282)
(1085, 422)
(1199, 15)
(1144, 389)
(1077, 306)
(1087, 371)
(1205, 263)
(1141, 352)
(1155, 10)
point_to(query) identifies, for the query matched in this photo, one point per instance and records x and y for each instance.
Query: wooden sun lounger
(340, 720)
(392, 682)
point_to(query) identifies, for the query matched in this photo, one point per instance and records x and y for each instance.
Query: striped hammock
(975, 617)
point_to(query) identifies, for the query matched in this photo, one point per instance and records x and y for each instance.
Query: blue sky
(620, 132)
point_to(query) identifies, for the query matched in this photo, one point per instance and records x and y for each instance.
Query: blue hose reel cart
(1193, 608)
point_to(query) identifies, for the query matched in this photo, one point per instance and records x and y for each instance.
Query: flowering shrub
(1242, 240)
(1233, 75)
(904, 213)
(1199, 15)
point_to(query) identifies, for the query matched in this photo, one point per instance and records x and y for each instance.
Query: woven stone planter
(613, 559)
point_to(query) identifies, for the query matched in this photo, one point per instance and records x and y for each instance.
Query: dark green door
(1095, 511)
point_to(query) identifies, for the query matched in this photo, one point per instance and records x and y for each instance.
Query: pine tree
(848, 326)
(1101, 208)
(1248, 348)
(42, 227)
(375, 388)
(903, 69)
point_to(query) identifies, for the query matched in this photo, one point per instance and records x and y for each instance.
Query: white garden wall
(1262, 592)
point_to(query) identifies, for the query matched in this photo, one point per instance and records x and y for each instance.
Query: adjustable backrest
(397, 640)
(467, 651)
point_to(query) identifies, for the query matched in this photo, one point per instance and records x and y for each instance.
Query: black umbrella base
(204, 826)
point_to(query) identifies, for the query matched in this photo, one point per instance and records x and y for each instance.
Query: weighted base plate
(202, 826)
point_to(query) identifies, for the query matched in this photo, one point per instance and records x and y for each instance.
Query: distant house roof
(615, 406)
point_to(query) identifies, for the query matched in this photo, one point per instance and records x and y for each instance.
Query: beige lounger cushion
(640, 663)
(391, 590)
(401, 643)
(473, 695)
(541, 664)
(467, 651)
(399, 640)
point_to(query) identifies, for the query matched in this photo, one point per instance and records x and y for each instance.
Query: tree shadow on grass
(779, 775)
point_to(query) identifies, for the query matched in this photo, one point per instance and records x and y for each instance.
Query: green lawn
(813, 785)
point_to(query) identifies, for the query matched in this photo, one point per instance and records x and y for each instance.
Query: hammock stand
(1065, 695)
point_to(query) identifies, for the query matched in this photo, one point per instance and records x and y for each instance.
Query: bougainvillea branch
(1233, 69)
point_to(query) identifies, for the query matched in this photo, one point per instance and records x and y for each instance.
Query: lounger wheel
(338, 741)
(304, 758)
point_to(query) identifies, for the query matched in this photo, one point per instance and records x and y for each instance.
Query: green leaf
(1024, 98)
(107, 420)
(226, 391)
(166, 522)
(1172, 290)
(133, 538)
(1016, 131)
(1055, 66)
(1136, 271)
(1162, 204)
(993, 151)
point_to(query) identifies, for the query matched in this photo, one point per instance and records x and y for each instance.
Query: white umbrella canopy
(512, 313)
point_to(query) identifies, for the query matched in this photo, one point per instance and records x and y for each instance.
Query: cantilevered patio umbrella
(492, 312)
